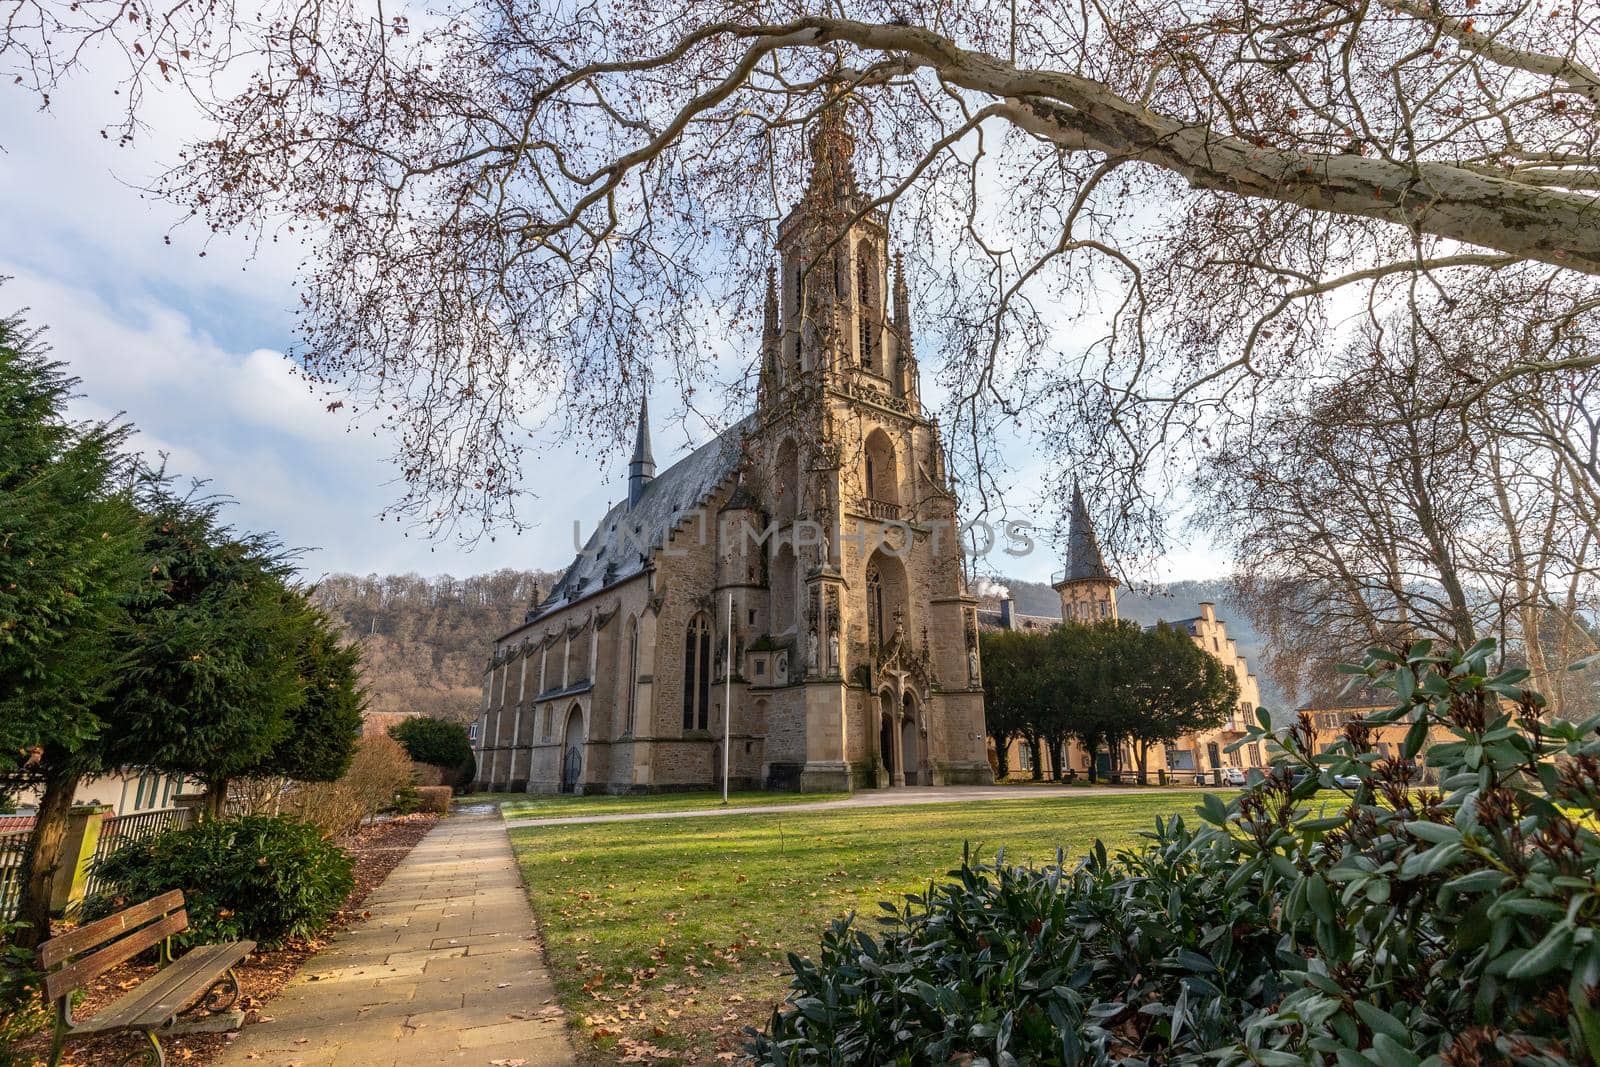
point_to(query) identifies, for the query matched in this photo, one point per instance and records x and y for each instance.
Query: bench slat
(167, 992)
(59, 983)
(180, 996)
(118, 1014)
(71, 943)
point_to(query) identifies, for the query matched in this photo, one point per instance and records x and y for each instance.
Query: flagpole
(727, 701)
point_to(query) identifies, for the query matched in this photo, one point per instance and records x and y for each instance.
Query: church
(793, 586)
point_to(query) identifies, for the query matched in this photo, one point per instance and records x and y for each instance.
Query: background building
(1088, 594)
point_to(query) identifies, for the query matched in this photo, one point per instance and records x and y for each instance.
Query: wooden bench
(79, 956)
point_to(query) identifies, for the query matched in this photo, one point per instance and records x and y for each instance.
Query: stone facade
(812, 548)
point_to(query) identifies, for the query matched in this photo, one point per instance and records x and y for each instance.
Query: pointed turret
(769, 380)
(642, 468)
(902, 300)
(1088, 591)
(905, 352)
(769, 322)
(1084, 561)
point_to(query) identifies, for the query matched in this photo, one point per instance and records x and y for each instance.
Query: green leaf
(1476, 881)
(1392, 1053)
(1435, 833)
(1416, 737)
(1318, 897)
(1546, 956)
(1380, 1021)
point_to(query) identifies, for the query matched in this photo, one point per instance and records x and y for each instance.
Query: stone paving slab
(447, 970)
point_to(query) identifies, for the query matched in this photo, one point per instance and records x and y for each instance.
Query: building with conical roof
(1087, 589)
(1088, 592)
(793, 585)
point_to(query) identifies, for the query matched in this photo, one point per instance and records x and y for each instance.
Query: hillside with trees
(424, 640)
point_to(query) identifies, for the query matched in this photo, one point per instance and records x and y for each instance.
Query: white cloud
(190, 348)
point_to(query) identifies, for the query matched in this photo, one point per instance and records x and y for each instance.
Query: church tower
(1088, 590)
(828, 312)
(865, 572)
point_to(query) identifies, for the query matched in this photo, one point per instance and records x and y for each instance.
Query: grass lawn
(668, 937)
(561, 807)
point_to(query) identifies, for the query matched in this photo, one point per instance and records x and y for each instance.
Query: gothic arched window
(697, 674)
(630, 694)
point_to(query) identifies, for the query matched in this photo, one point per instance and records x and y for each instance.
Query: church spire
(642, 468)
(833, 149)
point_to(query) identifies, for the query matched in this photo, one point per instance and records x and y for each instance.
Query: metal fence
(13, 849)
(126, 829)
(15, 833)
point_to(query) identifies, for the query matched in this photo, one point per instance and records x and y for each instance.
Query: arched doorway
(910, 750)
(572, 751)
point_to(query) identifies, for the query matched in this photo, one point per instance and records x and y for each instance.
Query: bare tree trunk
(1443, 557)
(216, 805)
(1002, 754)
(44, 856)
(1526, 610)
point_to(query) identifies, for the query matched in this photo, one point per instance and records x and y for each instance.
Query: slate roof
(1083, 549)
(621, 545)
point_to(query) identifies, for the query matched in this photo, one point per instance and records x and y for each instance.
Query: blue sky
(189, 347)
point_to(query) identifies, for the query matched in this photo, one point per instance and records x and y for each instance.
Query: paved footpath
(866, 798)
(445, 971)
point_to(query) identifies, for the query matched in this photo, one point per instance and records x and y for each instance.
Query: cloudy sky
(185, 338)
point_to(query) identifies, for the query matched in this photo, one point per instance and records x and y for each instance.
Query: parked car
(1233, 776)
(1347, 781)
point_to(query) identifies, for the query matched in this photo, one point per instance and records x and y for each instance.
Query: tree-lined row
(1103, 685)
(137, 629)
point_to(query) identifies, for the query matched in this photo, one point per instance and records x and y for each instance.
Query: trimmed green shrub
(1022, 964)
(441, 742)
(434, 798)
(1335, 912)
(254, 877)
